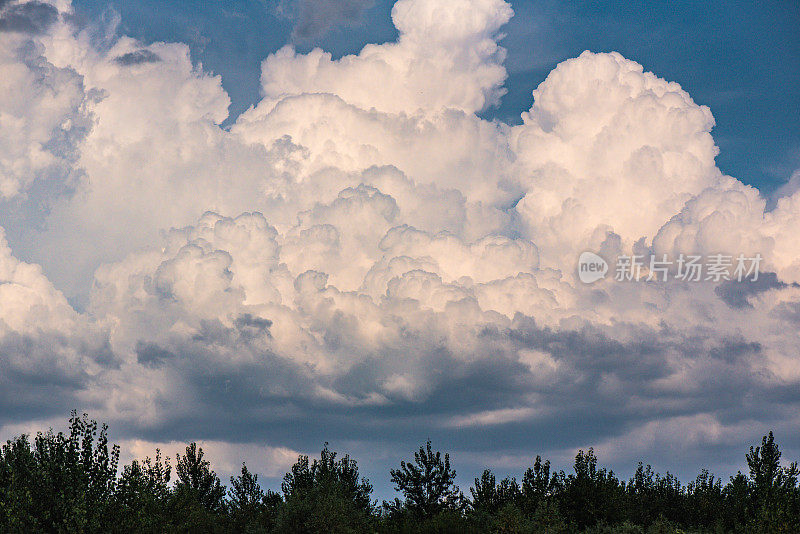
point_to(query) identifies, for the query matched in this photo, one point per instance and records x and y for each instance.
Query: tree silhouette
(61, 482)
(537, 484)
(428, 484)
(142, 494)
(326, 495)
(196, 477)
(772, 487)
(68, 482)
(250, 508)
(197, 502)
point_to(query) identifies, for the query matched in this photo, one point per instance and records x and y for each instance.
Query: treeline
(70, 482)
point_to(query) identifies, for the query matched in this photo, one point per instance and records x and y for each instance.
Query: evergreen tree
(428, 484)
(590, 495)
(326, 495)
(250, 508)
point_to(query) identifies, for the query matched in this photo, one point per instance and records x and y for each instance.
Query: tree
(250, 508)
(326, 495)
(705, 501)
(195, 476)
(537, 485)
(772, 488)
(494, 506)
(62, 482)
(590, 495)
(428, 484)
(768, 479)
(650, 495)
(142, 495)
(19, 479)
(197, 503)
(489, 496)
(737, 508)
(68, 482)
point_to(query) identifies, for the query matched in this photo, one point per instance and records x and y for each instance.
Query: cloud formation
(455, 36)
(361, 257)
(27, 17)
(137, 57)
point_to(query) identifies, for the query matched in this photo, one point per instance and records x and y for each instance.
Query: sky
(266, 225)
(742, 59)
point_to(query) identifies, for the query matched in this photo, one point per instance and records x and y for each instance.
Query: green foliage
(141, 497)
(70, 482)
(489, 496)
(197, 501)
(538, 484)
(590, 495)
(428, 484)
(651, 495)
(494, 506)
(195, 478)
(326, 495)
(773, 490)
(62, 483)
(704, 500)
(249, 507)
(547, 519)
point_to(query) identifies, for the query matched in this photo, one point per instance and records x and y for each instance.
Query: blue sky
(742, 59)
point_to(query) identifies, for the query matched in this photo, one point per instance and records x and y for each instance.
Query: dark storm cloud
(42, 375)
(137, 57)
(609, 381)
(251, 326)
(151, 355)
(30, 17)
(789, 312)
(315, 17)
(735, 294)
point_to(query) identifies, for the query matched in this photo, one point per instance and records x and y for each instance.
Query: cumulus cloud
(361, 257)
(456, 36)
(45, 115)
(27, 17)
(50, 355)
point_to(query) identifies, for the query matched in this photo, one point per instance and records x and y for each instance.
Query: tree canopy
(72, 482)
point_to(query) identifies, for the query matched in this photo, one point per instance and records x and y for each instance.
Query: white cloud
(226, 458)
(446, 56)
(608, 147)
(43, 112)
